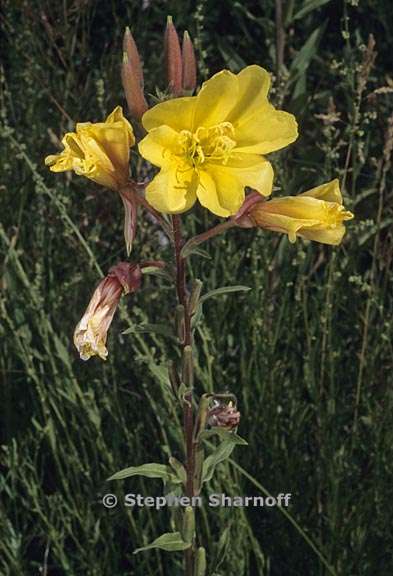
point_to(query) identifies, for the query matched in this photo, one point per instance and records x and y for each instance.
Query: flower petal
(172, 190)
(229, 190)
(209, 195)
(249, 170)
(265, 131)
(177, 113)
(159, 145)
(253, 87)
(215, 99)
(331, 236)
(330, 192)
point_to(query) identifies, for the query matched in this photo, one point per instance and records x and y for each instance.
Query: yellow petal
(229, 191)
(303, 216)
(110, 141)
(215, 99)
(172, 190)
(253, 87)
(265, 131)
(249, 170)
(177, 113)
(330, 192)
(159, 146)
(209, 196)
(331, 236)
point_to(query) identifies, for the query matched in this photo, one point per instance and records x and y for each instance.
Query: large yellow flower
(210, 146)
(99, 151)
(317, 214)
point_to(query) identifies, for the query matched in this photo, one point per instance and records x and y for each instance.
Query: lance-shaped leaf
(223, 290)
(151, 470)
(221, 453)
(170, 541)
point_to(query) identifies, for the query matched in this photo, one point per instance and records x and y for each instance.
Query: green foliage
(308, 351)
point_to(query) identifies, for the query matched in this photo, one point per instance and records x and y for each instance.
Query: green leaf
(224, 435)
(162, 329)
(223, 290)
(170, 541)
(179, 469)
(151, 470)
(309, 6)
(303, 58)
(190, 250)
(221, 453)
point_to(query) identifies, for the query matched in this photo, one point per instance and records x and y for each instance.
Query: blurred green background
(308, 351)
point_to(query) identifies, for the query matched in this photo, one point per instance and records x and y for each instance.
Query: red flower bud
(132, 77)
(189, 64)
(173, 57)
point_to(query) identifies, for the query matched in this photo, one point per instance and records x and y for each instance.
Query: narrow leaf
(221, 453)
(223, 290)
(151, 470)
(170, 541)
(308, 6)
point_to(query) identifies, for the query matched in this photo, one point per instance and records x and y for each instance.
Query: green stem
(186, 343)
(215, 231)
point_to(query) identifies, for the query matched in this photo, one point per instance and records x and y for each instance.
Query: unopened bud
(188, 369)
(195, 295)
(200, 562)
(180, 323)
(130, 218)
(189, 64)
(173, 58)
(130, 48)
(224, 415)
(188, 527)
(132, 77)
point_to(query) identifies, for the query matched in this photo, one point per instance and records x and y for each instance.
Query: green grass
(308, 351)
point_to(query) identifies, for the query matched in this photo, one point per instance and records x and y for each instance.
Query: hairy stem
(188, 416)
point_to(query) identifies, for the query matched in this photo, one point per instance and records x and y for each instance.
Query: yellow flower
(99, 151)
(317, 214)
(210, 146)
(91, 331)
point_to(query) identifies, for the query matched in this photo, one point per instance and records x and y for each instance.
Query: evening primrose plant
(209, 148)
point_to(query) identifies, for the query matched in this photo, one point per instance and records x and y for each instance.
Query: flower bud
(132, 88)
(130, 217)
(317, 214)
(200, 562)
(189, 64)
(173, 57)
(188, 527)
(130, 48)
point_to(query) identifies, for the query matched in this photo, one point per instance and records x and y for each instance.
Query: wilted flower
(210, 146)
(317, 214)
(99, 151)
(91, 332)
(224, 415)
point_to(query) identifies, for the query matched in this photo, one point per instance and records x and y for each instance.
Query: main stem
(188, 417)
